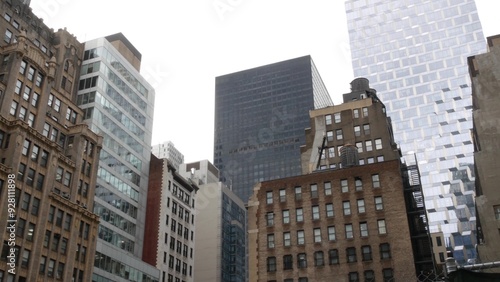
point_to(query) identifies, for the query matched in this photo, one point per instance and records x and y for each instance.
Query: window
(314, 190)
(43, 260)
(13, 108)
(301, 260)
(333, 256)
(51, 100)
(347, 207)
(348, 231)
(496, 210)
(270, 219)
(31, 232)
(380, 158)
(319, 259)
(286, 216)
(375, 181)
(366, 252)
(59, 216)
(271, 264)
(438, 241)
(26, 93)
(44, 159)
(270, 240)
(353, 277)
(57, 105)
(8, 36)
(31, 119)
(329, 210)
(368, 145)
(26, 147)
(67, 178)
(21, 225)
(329, 135)
(369, 275)
(39, 80)
(315, 212)
(379, 205)
(22, 68)
(365, 112)
(361, 206)
(331, 233)
(359, 145)
(328, 119)
(381, 226)
(366, 129)
(300, 237)
(351, 254)
(26, 201)
(299, 214)
(282, 195)
(51, 214)
(21, 171)
(339, 134)
(26, 258)
(363, 229)
(385, 251)
(378, 144)
(355, 113)
(19, 85)
(357, 130)
(64, 245)
(269, 197)
(337, 117)
(59, 174)
(344, 187)
(317, 235)
(35, 205)
(388, 275)
(331, 152)
(55, 242)
(328, 188)
(358, 183)
(287, 262)
(67, 222)
(287, 239)
(298, 193)
(46, 129)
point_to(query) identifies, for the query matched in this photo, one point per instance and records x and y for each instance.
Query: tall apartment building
(48, 156)
(117, 103)
(167, 150)
(356, 214)
(170, 222)
(414, 53)
(220, 227)
(260, 115)
(484, 71)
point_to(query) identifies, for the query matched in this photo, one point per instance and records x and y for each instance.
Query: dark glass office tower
(260, 117)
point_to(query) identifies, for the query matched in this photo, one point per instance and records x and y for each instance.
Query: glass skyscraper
(415, 54)
(260, 117)
(118, 105)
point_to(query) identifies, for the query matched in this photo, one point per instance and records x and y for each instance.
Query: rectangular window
(379, 205)
(359, 145)
(282, 195)
(26, 201)
(357, 130)
(31, 119)
(35, 206)
(355, 113)
(59, 174)
(22, 68)
(270, 219)
(329, 210)
(287, 239)
(271, 264)
(328, 188)
(347, 207)
(314, 191)
(8, 36)
(13, 108)
(339, 134)
(21, 171)
(319, 258)
(270, 240)
(378, 144)
(300, 237)
(351, 254)
(331, 233)
(26, 93)
(26, 147)
(361, 206)
(381, 226)
(298, 193)
(331, 152)
(375, 181)
(317, 235)
(302, 260)
(328, 119)
(365, 112)
(41, 268)
(344, 187)
(337, 117)
(333, 256)
(19, 85)
(25, 258)
(366, 252)
(368, 145)
(496, 210)
(348, 231)
(287, 262)
(363, 229)
(358, 183)
(269, 197)
(366, 129)
(380, 159)
(299, 213)
(39, 80)
(329, 136)
(315, 212)
(286, 216)
(388, 274)
(353, 277)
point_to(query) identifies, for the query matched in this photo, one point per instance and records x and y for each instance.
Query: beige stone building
(347, 217)
(485, 76)
(48, 157)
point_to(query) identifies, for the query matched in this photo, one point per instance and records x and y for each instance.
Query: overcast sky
(186, 44)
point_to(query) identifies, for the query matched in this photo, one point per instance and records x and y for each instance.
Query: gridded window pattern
(375, 181)
(358, 183)
(317, 235)
(286, 216)
(298, 193)
(329, 210)
(344, 187)
(314, 190)
(271, 264)
(270, 218)
(361, 206)
(328, 188)
(287, 262)
(379, 204)
(315, 212)
(331, 233)
(363, 229)
(287, 239)
(366, 252)
(346, 205)
(270, 240)
(282, 195)
(385, 251)
(302, 260)
(299, 215)
(300, 237)
(333, 256)
(269, 197)
(319, 258)
(381, 226)
(349, 234)
(351, 254)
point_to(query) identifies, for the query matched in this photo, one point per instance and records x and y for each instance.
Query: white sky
(186, 44)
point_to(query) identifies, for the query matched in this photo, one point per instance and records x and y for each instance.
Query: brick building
(51, 153)
(354, 213)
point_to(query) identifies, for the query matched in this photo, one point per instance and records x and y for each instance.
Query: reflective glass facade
(260, 117)
(118, 104)
(415, 54)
